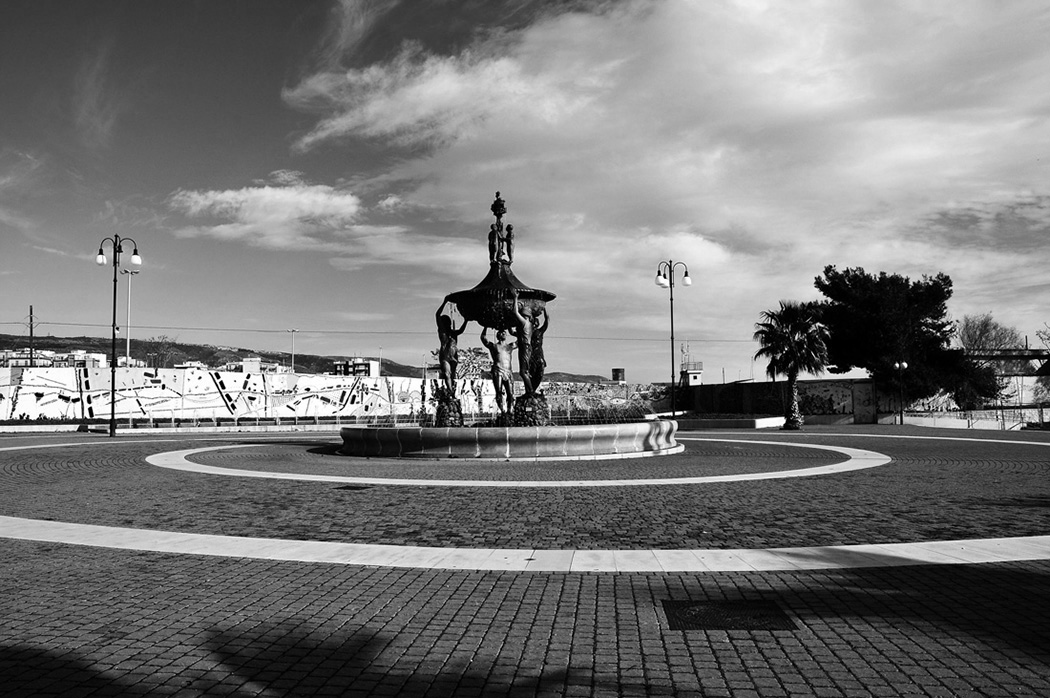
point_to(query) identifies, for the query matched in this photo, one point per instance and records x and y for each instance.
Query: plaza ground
(851, 603)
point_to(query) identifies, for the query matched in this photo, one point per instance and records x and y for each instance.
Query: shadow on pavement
(29, 671)
(295, 662)
(1004, 605)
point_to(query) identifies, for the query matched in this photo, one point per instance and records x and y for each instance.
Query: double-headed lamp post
(117, 243)
(665, 279)
(900, 366)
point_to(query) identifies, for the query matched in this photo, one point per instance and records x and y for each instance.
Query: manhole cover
(353, 487)
(726, 615)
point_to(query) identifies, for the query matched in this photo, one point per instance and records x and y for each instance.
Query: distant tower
(692, 372)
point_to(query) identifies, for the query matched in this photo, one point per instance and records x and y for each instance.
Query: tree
(977, 334)
(877, 321)
(1042, 384)
(474, 362)
(795, 341)
(161, 351)
(981, 333)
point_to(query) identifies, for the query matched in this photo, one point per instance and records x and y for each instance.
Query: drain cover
(726, 615)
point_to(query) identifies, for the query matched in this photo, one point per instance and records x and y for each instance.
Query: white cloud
(96, 104)
(19, 174)
(312, 217)
(765, 129)
(294, 216)
(425, 99)
(757, 141)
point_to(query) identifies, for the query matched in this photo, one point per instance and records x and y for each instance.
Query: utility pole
(32, 358)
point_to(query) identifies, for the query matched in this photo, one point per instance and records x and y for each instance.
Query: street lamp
(116, 242)
(127, 325)
(292, 332)
(665, 279)
(900, 366)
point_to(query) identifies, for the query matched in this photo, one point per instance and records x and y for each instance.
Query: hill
(164, 352)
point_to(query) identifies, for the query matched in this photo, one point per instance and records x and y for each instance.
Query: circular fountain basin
(576, 442)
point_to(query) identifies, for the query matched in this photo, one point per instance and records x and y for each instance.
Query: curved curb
(857, 459)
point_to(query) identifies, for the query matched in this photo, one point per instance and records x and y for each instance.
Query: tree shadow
(1005, 605)
(294, 661)
(31, 671)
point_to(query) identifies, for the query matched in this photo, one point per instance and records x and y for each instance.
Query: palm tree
(795, 341)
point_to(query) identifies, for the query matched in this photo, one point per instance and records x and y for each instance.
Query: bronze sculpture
(448, 351)
(501, 351)
(501, 302)
(524, 333)
(539, 362)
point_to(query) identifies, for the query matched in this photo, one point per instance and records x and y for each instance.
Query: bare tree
(161, 350)
(979, 334)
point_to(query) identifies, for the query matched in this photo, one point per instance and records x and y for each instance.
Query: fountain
(517, 316)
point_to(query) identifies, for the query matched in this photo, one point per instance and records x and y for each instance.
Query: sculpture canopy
(489, 303)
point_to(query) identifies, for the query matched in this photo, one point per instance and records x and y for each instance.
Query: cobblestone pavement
(79, 620)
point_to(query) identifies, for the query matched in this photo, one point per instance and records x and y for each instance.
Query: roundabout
(510, 516)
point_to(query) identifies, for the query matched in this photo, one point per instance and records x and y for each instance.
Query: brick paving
(89, 621)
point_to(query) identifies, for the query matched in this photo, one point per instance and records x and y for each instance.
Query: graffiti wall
(163, 394)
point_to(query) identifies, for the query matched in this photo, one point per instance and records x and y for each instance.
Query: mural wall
(169, 394)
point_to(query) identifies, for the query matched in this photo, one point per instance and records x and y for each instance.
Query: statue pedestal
(449, 411)
(531, 411)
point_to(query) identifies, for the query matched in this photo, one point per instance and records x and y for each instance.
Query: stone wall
(834, 400)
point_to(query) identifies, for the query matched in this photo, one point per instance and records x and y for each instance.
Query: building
(23, 358)
(357, 366)
(254, 364)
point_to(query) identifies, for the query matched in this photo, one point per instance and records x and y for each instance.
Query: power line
(257, 330)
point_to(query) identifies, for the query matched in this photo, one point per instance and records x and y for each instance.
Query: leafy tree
(795, 341)
(474, 362)
(876, 321)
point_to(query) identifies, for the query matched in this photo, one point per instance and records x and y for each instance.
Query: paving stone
(139, 623)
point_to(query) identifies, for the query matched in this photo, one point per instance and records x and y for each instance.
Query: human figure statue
(495, 248)
(499, 209)
(539, 363)
(508, 241)
(501, 350)
(448, 353)
(524, 333)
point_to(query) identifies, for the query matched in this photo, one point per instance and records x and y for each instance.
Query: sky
(329, 166)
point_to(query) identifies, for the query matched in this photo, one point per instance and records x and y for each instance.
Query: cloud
(97, 106)
(351, 316)
(755, 141)
(293, 215)
(781, 137)
(19, 174)
(419, 99)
